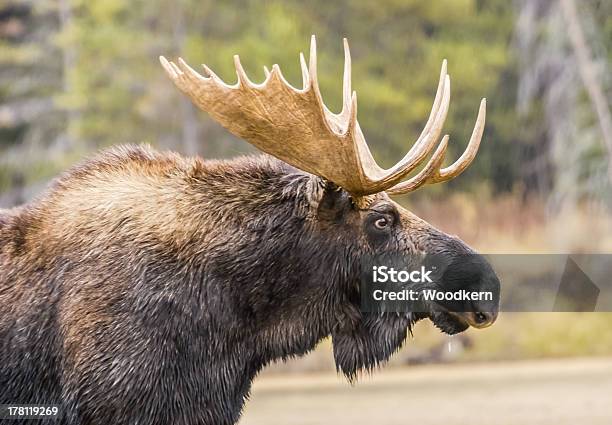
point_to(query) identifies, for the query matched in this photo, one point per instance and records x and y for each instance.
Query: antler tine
(330, 119)
(428, 137)
(440, 91)
(305, 75)
(277, 73)
(441, 175)
(193, 78)
(266, 71)
(346, 83)
(469, 154)
(312, 72)
(426, 174)
(177, 71)
(243, 79)
(209, 72)
(167, 67)
(341, 120)
(312, 64)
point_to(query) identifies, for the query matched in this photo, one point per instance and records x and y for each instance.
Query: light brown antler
(295, 125)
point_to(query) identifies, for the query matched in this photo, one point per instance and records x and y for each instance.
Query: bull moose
(149, 288)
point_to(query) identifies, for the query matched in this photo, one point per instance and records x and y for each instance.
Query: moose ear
(334, 203)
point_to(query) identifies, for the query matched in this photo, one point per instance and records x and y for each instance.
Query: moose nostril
(481, 317)
(484, 319)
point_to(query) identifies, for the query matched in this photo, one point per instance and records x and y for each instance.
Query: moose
(149, 288)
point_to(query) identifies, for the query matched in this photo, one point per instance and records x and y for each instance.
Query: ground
(542, 392)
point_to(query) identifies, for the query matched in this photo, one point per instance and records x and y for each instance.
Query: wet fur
(149, 288)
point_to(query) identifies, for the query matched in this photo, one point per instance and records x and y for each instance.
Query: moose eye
(381, 223)
(378, 226)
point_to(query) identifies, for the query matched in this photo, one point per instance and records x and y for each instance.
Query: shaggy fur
(148, 288)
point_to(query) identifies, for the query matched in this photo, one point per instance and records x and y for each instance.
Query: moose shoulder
(146, 287)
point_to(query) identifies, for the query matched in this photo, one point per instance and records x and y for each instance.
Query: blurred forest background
(80, 75)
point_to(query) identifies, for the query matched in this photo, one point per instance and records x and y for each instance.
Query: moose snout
(473, 275)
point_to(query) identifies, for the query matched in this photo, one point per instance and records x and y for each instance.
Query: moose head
(349, 194)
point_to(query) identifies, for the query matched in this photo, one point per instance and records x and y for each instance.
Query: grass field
(538, 392)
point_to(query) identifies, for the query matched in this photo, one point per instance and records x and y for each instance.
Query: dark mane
(110, 185)
(149, 247)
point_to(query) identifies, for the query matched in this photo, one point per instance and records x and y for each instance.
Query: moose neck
(196, 274)
(268, 285)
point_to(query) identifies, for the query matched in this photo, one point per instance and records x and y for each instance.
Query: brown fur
(152, 288)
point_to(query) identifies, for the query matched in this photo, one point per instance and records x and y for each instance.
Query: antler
(295, 125)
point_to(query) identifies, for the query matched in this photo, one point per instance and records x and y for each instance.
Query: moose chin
(150, 288)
